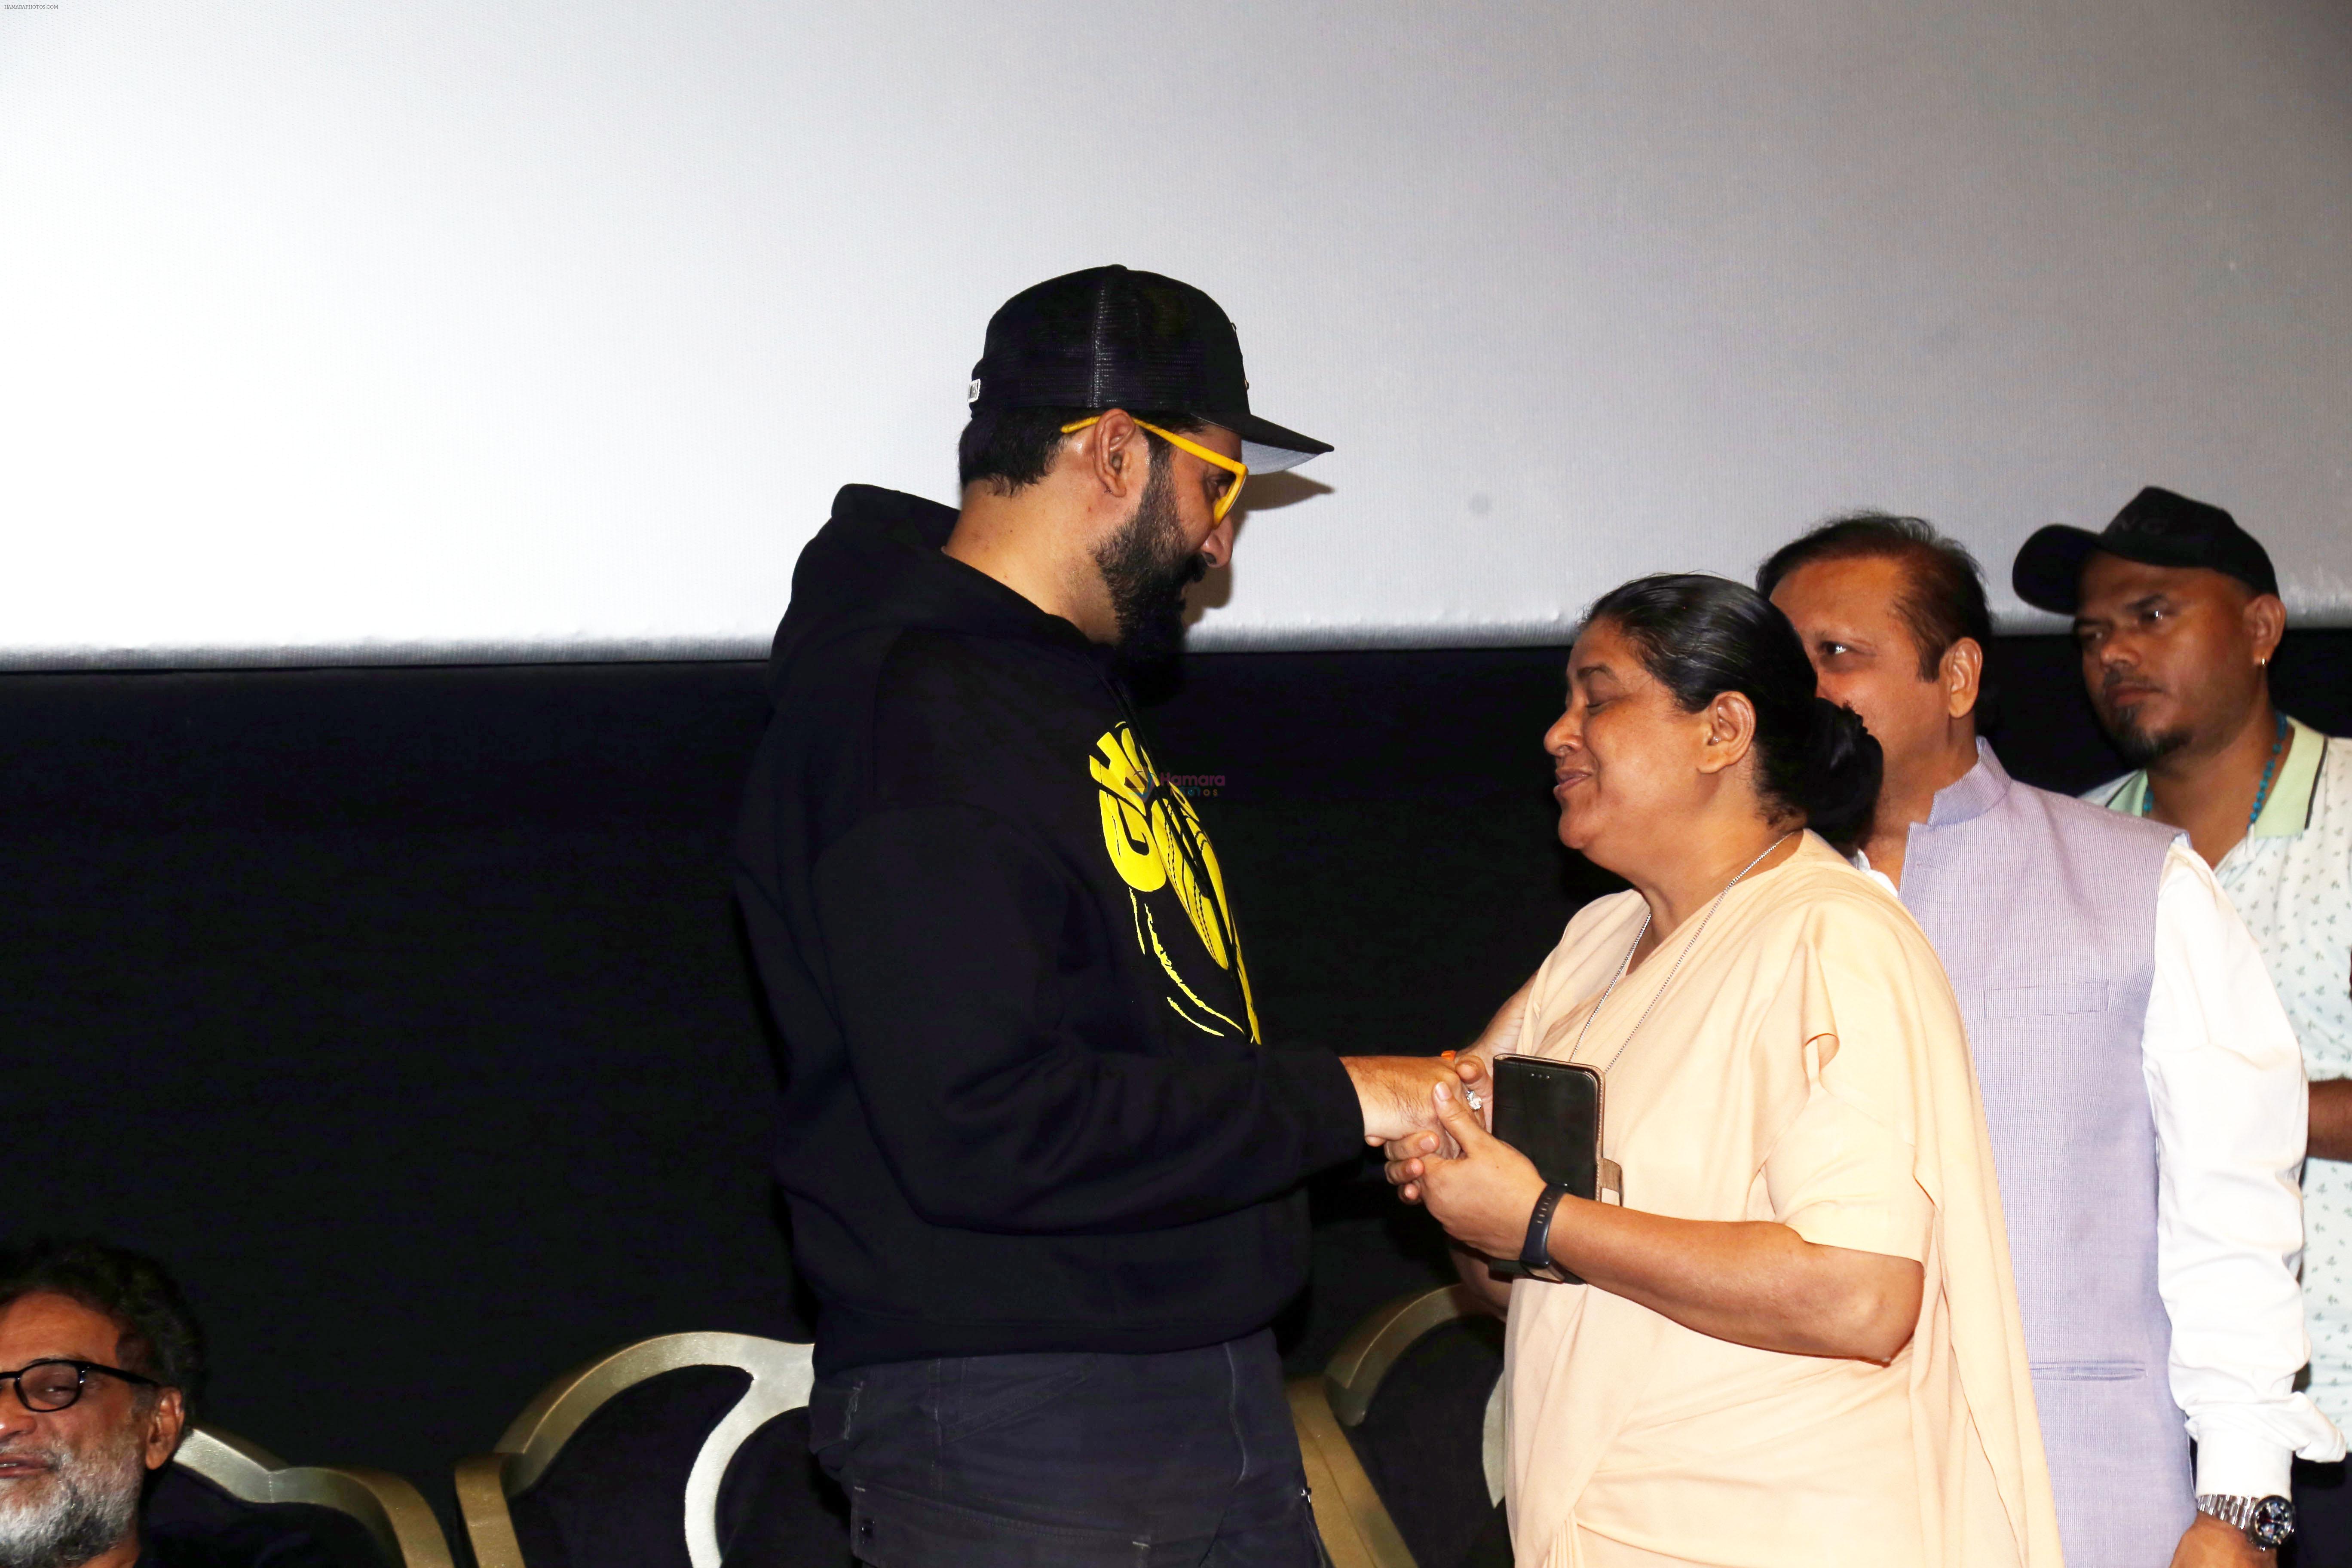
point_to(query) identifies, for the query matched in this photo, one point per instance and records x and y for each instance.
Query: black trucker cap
(2158, 528)
(1112, 337)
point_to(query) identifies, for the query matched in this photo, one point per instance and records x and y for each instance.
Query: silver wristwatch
(2268, 1521)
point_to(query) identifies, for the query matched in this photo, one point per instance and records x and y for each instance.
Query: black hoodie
(1025, 1105)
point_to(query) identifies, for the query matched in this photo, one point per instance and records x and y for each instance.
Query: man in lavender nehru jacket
(2141, 1083)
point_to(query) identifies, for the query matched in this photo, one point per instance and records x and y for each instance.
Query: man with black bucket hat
(2176, 612)
(1043, 1175)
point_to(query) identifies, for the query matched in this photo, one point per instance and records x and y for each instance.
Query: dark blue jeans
(1072, 1459)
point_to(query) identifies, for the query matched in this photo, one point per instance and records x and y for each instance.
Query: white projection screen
(345, 331)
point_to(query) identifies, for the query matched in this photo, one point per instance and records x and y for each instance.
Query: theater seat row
(690, 1451)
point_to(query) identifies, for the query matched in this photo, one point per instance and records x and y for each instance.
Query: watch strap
(1536, 1251)
(2268, 1521)
(2231, 1511)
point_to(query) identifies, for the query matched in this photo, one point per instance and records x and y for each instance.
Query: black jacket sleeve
(943, 929)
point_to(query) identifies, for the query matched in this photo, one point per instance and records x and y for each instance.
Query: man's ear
(1117, 454)
(1731, 731)
(2265, 624)
(1961, 674)
(167, 1422)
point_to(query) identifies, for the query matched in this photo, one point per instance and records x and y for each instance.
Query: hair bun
(1842, 767)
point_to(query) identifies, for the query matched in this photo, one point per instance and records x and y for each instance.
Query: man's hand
(2209, 1544)
(1393, 1092)
(1482, 1196)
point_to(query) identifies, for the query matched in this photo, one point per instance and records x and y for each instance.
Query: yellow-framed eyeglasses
(1240, 471)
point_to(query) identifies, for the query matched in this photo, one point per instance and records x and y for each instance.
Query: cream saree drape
(1807, 1066)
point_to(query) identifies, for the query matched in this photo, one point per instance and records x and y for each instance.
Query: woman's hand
(1476, 1060)
(1752, 1282)
(1474, 1064)
(1478, 1091)
(1502, 1031)
(1399, 1152)
(1484, 1197)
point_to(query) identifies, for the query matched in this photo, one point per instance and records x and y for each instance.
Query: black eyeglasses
(47, 1386)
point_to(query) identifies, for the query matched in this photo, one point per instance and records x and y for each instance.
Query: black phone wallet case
(1551, 1112)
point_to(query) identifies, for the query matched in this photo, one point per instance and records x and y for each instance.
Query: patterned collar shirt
(2291, 879)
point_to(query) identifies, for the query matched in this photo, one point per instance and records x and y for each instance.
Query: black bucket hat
(1112, 337)
(2158, 528)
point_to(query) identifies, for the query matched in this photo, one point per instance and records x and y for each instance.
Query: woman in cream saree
(1799, 1343)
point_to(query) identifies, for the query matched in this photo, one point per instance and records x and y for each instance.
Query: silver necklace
(1626, 964)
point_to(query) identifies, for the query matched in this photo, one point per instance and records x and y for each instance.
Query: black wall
(402, 1011)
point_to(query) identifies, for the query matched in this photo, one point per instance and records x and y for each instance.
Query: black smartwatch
(1535, 1253)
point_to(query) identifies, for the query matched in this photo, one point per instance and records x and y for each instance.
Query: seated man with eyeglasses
(99, 1356)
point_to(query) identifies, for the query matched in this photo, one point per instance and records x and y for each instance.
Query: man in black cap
(2176, 612)
(1044, 1175)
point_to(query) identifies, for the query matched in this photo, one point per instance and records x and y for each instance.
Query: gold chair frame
(392, 1511)
(780, 1373)
(1356, 1530)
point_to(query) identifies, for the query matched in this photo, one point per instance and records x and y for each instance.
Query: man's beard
(2139, 746)
(1147, 568)
(83, 1505)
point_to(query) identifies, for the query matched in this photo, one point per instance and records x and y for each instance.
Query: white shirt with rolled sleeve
(2226, 1088)
(2291, 879)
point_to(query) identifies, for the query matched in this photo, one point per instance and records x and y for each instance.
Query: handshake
(1393, 1092)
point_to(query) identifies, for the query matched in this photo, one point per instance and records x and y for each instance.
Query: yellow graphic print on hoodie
(1158, 846)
